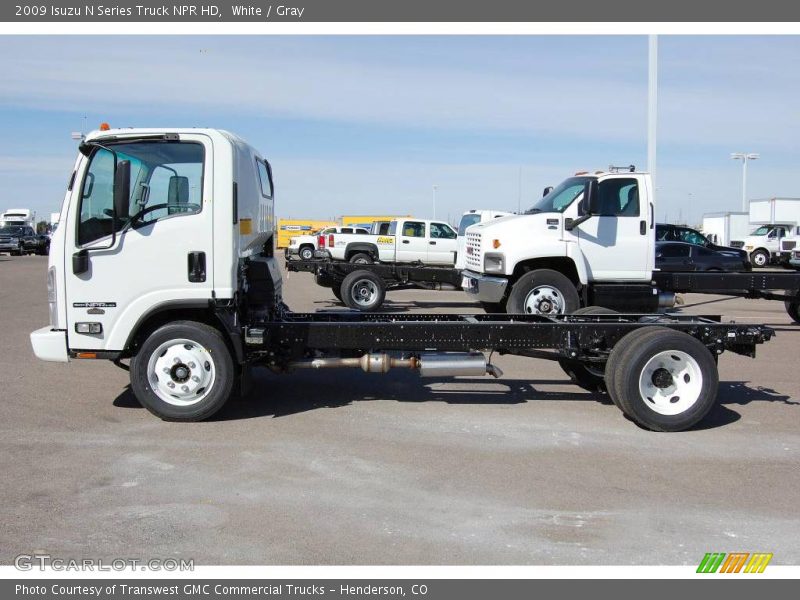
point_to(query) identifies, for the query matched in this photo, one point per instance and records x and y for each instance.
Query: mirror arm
(570, 225)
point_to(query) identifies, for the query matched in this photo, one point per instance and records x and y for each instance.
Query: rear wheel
(183, 372)
(589, 376)
(665, 380)
(543, 292)
(363, 291)
(760, 258)
(306, 252)
(361, 258)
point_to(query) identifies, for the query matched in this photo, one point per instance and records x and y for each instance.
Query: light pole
(435, 187)
(744, 157)
(652, 106)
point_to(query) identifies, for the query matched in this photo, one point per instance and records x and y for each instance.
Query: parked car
(681, 256)
(20, 239)
(678, 233)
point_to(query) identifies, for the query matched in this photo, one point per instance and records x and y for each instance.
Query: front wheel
(363, 290)
(665, 380)
(183, 372)
(543, 292)
(760, 258)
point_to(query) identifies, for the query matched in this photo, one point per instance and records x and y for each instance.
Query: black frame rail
(586, 337)
(763, 284)
(399, 273)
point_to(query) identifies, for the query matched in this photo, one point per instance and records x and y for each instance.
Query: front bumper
(484, 287)
(50, 344)
(9, 247)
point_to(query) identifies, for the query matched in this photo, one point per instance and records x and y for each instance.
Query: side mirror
(122, 189)
(591, 198)
(547, 190)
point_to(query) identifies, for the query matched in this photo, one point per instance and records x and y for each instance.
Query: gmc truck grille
(473, 258)
(737, 244)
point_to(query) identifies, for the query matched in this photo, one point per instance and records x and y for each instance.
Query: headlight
(748, 248)
(494, 262)
(15, 240)
(52, 297)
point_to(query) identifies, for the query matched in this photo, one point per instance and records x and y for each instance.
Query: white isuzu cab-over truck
(165, 258)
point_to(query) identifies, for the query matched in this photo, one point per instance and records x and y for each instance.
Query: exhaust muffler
(450, 364)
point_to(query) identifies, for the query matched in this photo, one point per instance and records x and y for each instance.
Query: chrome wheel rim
(364, 292)
(544, 300)
(181, 372)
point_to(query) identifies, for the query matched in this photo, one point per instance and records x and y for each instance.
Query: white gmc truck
(592, 235)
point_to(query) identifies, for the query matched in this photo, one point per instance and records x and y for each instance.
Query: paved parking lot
(339, 467)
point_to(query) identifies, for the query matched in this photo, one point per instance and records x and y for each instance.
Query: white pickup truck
(406, 241)
(304, 246)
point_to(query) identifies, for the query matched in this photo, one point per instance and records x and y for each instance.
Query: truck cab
(154, 222)
(763, 243)
(590, 229)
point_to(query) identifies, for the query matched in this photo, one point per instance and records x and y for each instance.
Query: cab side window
(413, 229)
(619, 197)
(442, 231)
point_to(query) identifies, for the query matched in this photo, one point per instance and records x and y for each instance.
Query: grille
(737, 244)
(789, 245)
(473, 257)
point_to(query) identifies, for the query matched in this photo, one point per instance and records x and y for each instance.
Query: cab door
(158, 257)
(412, 242)
(617, 244)
(442, 244)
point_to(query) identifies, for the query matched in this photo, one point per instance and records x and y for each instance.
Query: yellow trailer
(366, 221)
(288, 228)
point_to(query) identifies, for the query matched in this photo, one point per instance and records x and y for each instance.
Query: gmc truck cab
(589, 239)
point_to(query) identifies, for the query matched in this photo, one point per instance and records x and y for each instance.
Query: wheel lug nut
(170, 384)
(192, 365)
(196, 379)
(177, 360)
(185, 388)
(166, 370)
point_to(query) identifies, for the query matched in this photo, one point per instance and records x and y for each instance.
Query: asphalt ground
(341, 467)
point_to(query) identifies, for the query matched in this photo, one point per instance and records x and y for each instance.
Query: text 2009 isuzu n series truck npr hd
(165, 258)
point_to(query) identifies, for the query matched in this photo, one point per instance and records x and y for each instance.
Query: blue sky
(366, 124)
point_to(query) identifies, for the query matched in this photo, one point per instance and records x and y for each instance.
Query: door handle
(406, 242)
(643, 227)
(433, 243)
(197, 267)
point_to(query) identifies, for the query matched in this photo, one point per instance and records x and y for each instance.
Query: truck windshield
(763, 230)
(561, 197)
(166, 180)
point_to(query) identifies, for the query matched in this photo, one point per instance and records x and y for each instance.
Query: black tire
(209, 343)
(306, 252)
(589, 378)
(617, 356)
(361, 258)
(793, 308)
(363, 290)
(324, 280)
(494, 308)
(559, 289)
(761, 256)
(653, 352)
